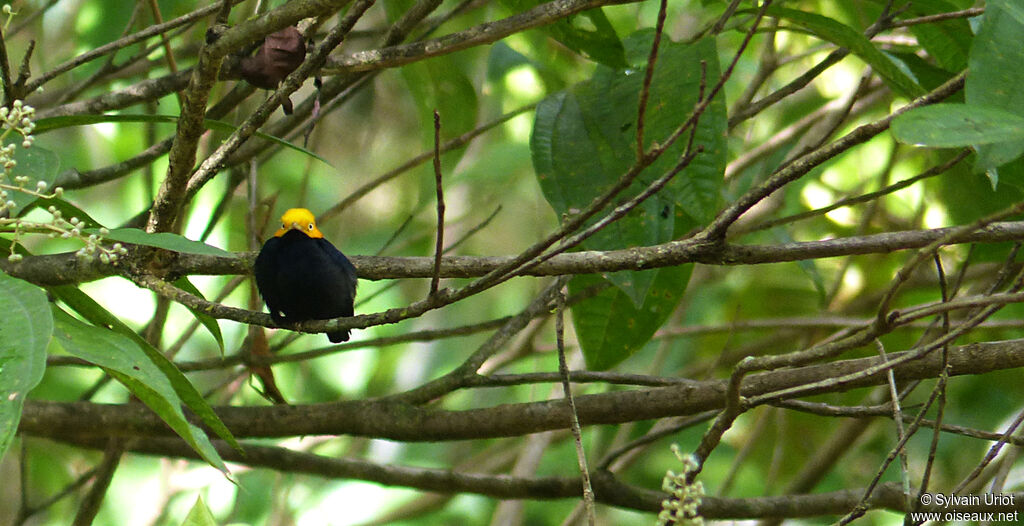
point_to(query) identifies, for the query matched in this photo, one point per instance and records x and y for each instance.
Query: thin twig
(928, 19)
(862, 507)
(439, 191)
(574, 424)
(645, 89)
(451, 144)
(897, 417)
(172, 65)
(863, 198)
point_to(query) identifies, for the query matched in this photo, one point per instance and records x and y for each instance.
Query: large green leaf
(995, 79)
(123, 359)
(611, 328)
(845, 36)
(25, 329)
(101, 317)
(584, 140)
(166, 240)
(958, 125)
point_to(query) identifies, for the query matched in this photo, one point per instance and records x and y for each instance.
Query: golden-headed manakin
(301, 276)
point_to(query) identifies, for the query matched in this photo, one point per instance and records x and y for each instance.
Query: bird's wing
(263, 270)
(342, 261)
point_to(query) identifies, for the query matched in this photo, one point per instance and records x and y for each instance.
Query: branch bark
(396, 420)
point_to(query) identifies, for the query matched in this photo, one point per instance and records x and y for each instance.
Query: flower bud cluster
(682, 506)
(19, 119)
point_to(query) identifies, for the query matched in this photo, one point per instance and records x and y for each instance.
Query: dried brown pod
(279, 55)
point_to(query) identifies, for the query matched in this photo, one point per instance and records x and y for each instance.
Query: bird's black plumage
(305, 278)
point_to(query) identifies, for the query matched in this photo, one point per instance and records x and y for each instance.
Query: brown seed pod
(279, 55)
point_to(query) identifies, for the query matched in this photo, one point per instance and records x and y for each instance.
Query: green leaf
(589, 33)
(204, 319)
(440, 84)
(957, 125)
(845, 36)
(199, 515)
(66, 209)
(967, 195)
(164, 240)
(35, 163)
(995, 78)
(67, 121)
(501, 59)
(596, 40)
(948, 41)
(25, 329)
(100, 317)
(123, 359)
(611, 328)
(584, 140)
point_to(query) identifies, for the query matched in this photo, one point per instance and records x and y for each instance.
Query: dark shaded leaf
(25, 330)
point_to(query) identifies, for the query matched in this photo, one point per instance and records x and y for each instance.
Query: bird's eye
(284, 226)
(310, 226)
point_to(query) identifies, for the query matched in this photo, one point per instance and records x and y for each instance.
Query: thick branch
(401, 421)
(607, 487)
(487, 33)
(60, 269)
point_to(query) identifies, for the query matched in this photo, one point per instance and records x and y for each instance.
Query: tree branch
(396, 420)
(65, 268)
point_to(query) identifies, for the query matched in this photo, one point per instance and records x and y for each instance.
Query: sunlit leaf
(123, 359)
(166, 240)
(199, 515)
(845, 36)
(92, 311)
(957, 125)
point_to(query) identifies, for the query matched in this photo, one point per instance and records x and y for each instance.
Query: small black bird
(302, 276)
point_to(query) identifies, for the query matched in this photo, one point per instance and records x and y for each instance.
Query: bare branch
(396, 419)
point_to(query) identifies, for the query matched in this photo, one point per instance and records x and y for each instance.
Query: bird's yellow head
(299, 219)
